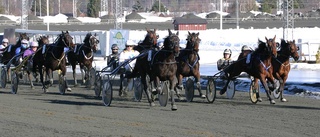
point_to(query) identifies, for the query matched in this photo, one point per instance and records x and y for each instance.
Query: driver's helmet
(245, 47)
(5, 40)
(114, 46)
(24, 43)
(34, 44)
(227, 51)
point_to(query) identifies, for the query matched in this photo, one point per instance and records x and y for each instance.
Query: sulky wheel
(62, 85)
(3, 77)
(14, 83)
(276, 92)
(97, 85)
(138, 88)
(253, 93)
(164, 94)
(107, 93)
(91, 79)
(211, 90)
(189, 90)
(230, 89)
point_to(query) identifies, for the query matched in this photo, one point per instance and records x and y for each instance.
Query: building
(190, 22)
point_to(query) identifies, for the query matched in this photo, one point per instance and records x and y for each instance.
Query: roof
(182, 20)
(134, 16)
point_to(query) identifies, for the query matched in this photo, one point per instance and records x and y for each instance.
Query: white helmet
(130, 42)
(5, 40)
(24, 41)
(34, 44)
(227, 51)
(245, 47)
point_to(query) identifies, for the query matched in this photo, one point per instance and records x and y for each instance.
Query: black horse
(83, 54)
(9, 51)
(53, 58)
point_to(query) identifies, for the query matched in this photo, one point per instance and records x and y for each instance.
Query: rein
(59, 59)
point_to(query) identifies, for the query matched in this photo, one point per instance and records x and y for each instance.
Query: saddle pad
(43, 49)
(9, 49)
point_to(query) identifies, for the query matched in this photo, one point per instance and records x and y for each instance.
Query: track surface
(79, 113)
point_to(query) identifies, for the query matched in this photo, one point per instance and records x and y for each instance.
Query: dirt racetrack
(78, 113)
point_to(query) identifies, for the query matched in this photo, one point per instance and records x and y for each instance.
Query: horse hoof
(259, 99)
(152, 104)
(272, 102)
(32, 87)
(181, 98)
(222, 91)
(69, 89)
(174, 107)
(203, 96)
(283, 100)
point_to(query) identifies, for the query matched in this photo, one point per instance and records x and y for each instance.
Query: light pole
(159, 6)
(237, 4)
(47, 15)
(220, 14)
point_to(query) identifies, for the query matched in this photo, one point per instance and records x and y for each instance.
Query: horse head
(272, 45)
(290, 49)
(193, 41)
(21, 37)
(67, 40)
(151, 37)
(91, 41)
(172, 42)
(43, 40)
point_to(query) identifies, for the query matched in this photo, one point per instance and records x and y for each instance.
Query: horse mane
(86, 39)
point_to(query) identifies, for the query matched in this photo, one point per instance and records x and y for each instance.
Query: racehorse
(281, 64)
(33, 60)
(83, 54)
(260, 67)
(188, 62)
(9, 51)
(54, 58)
(164, 65)
(142, 64)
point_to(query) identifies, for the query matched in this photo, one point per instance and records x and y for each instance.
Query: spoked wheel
(14, 83)
(164, 94)
(211, 90)
(91, 80)
(189, 90)
(62, 85)
(276, 92)
(253, 93)
(138, 88)
(97, 86)
(230, 89)
(107, 93)
(3, 77)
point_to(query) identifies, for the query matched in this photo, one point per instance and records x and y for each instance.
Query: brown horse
(84, 56)
(260, 67)
(164, 65)
(188, 62)
(54, 58)
(281, 64)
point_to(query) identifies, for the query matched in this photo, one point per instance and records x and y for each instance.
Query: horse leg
(74, 74)
(179, 86)
(282, 82)
(256, 86)
(30, 79)
(63, 73)
(145, 88)
(197, 79)
(172, 84)
(121, 91)
(83, 73)
(265, 85)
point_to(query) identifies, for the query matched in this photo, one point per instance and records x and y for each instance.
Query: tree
(137, 7)
(93, 8)
(268, 5)
(155, 7)
(2, 10)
